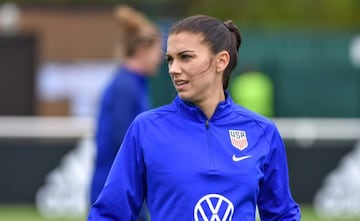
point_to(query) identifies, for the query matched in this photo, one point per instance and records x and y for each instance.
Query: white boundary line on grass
(45, 127)
(76, 127)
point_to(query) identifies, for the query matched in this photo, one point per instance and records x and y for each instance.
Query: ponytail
(230, 25)
(235, 42)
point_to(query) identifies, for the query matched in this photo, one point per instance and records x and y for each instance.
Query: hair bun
(132, 29)
(233, 28)
(127, 19)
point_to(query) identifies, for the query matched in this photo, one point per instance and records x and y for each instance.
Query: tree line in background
(328, 13)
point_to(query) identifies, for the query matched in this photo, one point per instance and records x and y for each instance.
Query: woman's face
(192, 67)
(151, 57)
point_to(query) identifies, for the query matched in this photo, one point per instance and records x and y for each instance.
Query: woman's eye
(185, 57)
(169, 60)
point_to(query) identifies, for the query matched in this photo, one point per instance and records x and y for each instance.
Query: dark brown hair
(220, 36)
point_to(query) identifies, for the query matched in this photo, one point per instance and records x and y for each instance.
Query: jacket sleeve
(125, 187)
(275, 201)
(119, 108)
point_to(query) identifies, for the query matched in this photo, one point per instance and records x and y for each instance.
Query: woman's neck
(209, 105)
(134, 65)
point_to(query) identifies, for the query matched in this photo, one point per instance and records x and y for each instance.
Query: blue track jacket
(190, 168)
(124, 98)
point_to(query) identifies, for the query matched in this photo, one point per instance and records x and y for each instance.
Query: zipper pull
(207, 124)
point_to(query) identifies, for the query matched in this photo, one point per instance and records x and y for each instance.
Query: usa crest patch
(238, 139)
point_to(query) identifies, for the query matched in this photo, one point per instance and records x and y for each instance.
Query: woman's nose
(174, 68)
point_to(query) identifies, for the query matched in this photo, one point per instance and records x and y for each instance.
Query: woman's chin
(184, 96)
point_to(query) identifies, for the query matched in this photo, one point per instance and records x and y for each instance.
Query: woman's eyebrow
(185, 51)
(180, 53)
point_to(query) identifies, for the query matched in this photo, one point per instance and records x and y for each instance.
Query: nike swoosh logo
(236, 159)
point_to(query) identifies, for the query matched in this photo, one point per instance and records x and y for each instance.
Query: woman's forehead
(184, 41)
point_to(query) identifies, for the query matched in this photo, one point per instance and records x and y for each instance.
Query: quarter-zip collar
(193, 112)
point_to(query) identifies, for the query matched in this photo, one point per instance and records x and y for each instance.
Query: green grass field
(29, 213)
(26, 213)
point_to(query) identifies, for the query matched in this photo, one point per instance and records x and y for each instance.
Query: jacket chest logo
(214, 207)
(238, 139)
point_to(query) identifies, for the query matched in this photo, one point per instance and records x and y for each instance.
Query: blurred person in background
(139, 50)
(202, 157)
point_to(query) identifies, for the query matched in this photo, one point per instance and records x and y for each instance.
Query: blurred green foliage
(284, 13)
(330, 13)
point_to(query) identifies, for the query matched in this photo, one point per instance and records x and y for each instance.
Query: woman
(202, 157)
(139, 52)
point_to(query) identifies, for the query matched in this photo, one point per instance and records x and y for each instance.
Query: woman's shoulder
(157, 113)
(259, 119)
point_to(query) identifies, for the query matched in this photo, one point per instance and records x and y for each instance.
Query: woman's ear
(222, 61)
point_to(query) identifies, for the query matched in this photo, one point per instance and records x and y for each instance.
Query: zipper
(210, 148)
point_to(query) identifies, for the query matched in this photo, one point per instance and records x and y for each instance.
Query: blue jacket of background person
(124, 98)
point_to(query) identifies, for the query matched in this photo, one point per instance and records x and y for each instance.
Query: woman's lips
(181, 82)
